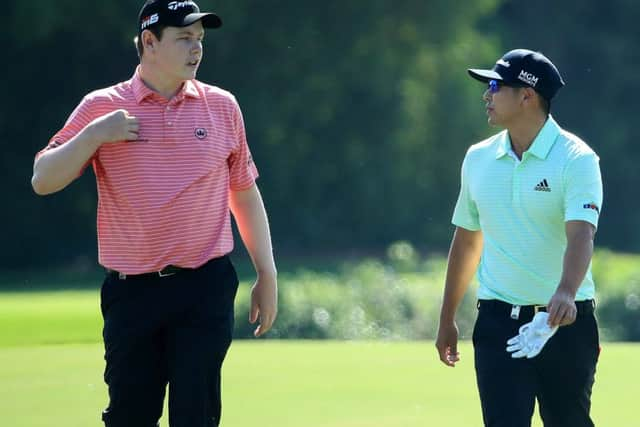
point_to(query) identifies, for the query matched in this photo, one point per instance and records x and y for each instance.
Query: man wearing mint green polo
(525, 220)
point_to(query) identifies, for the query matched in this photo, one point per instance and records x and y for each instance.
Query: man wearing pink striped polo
(171, 161)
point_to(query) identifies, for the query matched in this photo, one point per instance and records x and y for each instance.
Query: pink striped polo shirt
(165, 199)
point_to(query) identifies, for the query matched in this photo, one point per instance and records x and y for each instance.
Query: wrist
(567, 289)
(92, 136)
(267, 273)
(447, 317)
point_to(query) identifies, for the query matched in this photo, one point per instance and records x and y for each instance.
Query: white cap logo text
(149, 20)
(528, 78)
(174, 5)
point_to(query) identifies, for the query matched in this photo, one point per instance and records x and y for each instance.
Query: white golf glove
(532, 337)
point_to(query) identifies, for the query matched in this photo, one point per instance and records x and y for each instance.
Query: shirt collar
(545, 139)
(190, 89)
(141, 91)
(541, 144)
(504, 144)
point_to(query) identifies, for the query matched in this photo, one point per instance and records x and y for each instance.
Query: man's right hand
(115, 126)
(56, 167)
(447, 343)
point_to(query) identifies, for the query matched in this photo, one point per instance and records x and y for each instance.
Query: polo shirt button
(169, 123)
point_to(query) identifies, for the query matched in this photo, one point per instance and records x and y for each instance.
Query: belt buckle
(161, 274)
(538, 307)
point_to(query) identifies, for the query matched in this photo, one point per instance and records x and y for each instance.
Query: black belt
(515, 311)
(169, 270)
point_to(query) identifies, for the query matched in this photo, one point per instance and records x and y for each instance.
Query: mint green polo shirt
(521, 208)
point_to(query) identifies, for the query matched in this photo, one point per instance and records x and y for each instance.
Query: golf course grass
(51, 375)
(297, 383)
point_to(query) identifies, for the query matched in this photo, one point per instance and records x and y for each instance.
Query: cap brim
(209, 20)
(484, 75)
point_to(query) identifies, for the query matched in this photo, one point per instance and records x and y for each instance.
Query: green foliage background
(393, 298)
(358, 113)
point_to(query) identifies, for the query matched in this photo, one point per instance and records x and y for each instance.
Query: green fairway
(58, 317)
(51, 374)
(297, 383)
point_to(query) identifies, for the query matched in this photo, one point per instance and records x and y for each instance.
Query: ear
(148, 40)
(529, 93)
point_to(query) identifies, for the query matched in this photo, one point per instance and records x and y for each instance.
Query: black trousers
(173, 330)
(560, 377)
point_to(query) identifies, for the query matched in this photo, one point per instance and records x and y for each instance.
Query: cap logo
(503, 63)
(528, 78)
(149, 20)
(175, 5)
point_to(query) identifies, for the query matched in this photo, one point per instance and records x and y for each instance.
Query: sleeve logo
(591, 206)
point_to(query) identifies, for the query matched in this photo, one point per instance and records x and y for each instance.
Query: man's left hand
(562, 309)
(264, 304)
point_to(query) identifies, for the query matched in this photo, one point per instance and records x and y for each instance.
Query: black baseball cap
(525, 68)
(174, 14)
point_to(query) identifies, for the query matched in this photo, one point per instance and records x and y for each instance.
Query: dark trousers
(560, 377)
(171, 330)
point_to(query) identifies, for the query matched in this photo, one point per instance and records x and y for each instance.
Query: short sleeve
(242, 169)
(583, 189)
(465, 214)
(81, 116)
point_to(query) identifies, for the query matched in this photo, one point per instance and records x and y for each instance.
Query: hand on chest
(173, 140)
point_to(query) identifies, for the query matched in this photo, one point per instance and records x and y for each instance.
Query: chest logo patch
(200, 133)
(542, 186)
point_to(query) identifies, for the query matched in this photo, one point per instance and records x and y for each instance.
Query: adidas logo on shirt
(542, 186)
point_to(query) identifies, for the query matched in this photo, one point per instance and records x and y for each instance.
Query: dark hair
(156, 30)
(545, 104)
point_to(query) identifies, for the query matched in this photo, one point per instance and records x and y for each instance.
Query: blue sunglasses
(494, 86)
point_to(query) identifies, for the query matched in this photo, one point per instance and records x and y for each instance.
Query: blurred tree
(596, 49)
(358, 113)
(355, 113)
(55, 52)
